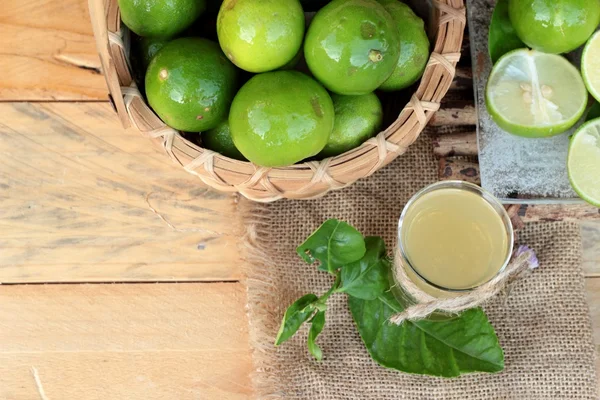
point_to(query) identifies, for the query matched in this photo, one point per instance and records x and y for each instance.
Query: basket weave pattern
(301, 181)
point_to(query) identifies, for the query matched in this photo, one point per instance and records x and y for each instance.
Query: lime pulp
(534, 94)
(583, 163)
(590, 65)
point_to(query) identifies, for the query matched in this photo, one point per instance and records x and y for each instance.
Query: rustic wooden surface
(127, 341)
(83, 201)
(47, 52)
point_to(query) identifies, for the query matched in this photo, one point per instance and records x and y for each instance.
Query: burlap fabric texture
(543, 326)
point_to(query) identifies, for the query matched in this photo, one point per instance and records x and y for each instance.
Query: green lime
(352, 46)
(554, 26)
(219, 139)
(260, 35)
(583, 162)
(293, 63)
(590, 65)
(414, 47)
(502, 37)
(190, 84)
(534, 94)
(357, 118)
(279, 118)
(143, 50)
(160, 18)
(146, 48)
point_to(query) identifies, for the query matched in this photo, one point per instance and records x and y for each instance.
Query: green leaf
(334, 244)
(296, 314)
(502, 37)
(367, 278)
(317, 324)
(594, 112)
(449, 348)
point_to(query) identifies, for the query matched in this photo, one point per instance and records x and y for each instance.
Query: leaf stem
(321, 304)
(336, 284)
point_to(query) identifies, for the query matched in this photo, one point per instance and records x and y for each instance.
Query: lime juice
(453, 237)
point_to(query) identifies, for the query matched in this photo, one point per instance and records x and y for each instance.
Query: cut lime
(535, 94)
(583, 163)
(590, 65)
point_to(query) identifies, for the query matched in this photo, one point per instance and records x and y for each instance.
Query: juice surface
(454, 238)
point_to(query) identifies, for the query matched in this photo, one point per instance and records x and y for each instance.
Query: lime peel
(583, 163)
(534, 94)
(590, 65)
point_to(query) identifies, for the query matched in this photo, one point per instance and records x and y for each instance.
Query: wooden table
(92, 217)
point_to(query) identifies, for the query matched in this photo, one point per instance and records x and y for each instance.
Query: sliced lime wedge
(534, 94)
(590, 65)
(583, 163)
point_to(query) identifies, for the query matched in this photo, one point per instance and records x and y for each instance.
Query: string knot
(523, 261)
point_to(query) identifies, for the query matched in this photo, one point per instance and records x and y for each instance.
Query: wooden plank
(463, 79)
(85, 201)
(455, 144)
(454, 116)
(590, 236)
(559, 212)
(592, 286)
(598, 365)
(47, 52)
(455, 169)
(136, 341)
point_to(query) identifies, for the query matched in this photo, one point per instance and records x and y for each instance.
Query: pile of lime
(260, 83)
(535, 92)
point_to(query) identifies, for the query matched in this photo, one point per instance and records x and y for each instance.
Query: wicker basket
(301, 181)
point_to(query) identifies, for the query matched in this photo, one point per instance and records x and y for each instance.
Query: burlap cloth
(543, 326)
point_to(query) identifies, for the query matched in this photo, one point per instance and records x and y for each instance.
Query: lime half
(583, 163)
(590, 65)
(534, 94)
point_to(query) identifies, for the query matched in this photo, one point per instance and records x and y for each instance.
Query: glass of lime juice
(453, 236)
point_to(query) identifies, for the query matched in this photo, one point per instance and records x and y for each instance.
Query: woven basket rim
(305, 180)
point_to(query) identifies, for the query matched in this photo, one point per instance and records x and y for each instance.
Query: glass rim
(462, 185)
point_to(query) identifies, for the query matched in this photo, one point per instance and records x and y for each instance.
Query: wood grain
(455, 144)
(47, 52)
(463, 79)
(590, 235)
(454, 116)
(456, 169)
(592, 286)
(82, 201)
(559, 212)
(136, 341)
